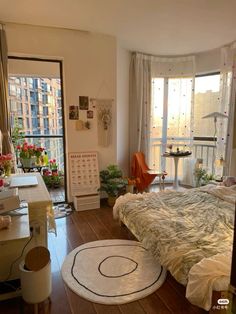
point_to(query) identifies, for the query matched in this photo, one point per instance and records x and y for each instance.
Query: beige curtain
(226, 140)
(140, 104)
(4, 114)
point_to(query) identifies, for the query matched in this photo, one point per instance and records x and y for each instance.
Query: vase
(28, 162)
(7, 171)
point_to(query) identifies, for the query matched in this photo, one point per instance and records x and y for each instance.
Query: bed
(190, 233)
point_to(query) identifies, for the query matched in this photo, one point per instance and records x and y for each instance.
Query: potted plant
(112, 183)
(6, 164)
(29, 154)
(202, 177)
(53, 166)
(52, 180)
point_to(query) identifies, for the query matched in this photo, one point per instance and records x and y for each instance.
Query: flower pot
(111, 200)
(28, 162)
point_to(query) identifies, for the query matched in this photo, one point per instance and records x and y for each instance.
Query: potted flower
(53, 166)
(6, 164)
(29, 154)
(52, 180)
(112, 183)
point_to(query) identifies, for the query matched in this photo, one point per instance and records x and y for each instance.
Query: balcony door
(36, 107)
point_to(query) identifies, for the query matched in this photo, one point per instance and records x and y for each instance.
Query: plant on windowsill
(112, 183)
(52, 180)
(202, 177)
(29, 154)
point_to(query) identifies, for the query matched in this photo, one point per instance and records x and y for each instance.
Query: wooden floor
(81, 227)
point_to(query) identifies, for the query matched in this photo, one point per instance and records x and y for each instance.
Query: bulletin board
(84, 173)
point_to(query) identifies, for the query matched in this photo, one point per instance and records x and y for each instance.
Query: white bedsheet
(209, 274)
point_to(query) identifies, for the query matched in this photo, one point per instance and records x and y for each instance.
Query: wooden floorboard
(82, 227)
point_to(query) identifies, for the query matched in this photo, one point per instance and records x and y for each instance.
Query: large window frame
(203, 145)
(54, 136)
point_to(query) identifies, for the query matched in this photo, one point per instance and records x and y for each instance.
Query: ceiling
(161, 27)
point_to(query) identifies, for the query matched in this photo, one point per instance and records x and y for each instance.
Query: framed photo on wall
(90, 114)
(83, 102)
(74, 112)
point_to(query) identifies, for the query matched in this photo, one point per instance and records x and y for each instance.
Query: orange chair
(145, 176)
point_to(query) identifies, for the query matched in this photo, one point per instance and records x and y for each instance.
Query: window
(39, 119)
(171, 119)
(207, 100)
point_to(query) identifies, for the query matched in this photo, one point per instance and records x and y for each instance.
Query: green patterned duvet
(181, 228)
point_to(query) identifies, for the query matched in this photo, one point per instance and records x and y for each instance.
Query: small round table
(176, 162)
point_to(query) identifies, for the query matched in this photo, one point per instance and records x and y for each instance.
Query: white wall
(89, 62)
(123, 63)
(208, 61)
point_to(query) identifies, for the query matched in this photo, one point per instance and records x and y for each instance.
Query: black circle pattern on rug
(114, 257)
(112, 271)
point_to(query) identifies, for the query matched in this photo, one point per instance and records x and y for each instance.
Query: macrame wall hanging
(104, 121)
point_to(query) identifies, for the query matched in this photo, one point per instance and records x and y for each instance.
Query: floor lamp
(215, 115)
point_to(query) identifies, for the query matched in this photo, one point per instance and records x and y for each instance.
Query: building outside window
(39, 121)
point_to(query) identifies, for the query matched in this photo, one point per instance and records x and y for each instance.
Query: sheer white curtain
(140, 103)
(172, 112)
(225, 135)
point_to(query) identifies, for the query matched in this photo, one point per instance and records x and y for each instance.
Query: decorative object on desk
(5, 221)
(6, 164)
(112, 183)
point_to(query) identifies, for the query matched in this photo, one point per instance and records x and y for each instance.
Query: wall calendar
(84, 173)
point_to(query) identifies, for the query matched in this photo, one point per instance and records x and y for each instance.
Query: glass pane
(207, 100)
(37, 102)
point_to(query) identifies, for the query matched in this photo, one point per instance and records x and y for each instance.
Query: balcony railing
(203, 148)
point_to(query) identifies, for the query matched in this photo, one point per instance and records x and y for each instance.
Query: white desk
(176, 162)
(40, 214)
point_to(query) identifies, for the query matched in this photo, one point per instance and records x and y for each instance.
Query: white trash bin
(36, 286)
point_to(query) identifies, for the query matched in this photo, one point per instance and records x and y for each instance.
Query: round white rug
(112, 271)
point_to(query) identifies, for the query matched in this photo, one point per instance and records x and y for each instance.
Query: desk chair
(141, 171)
